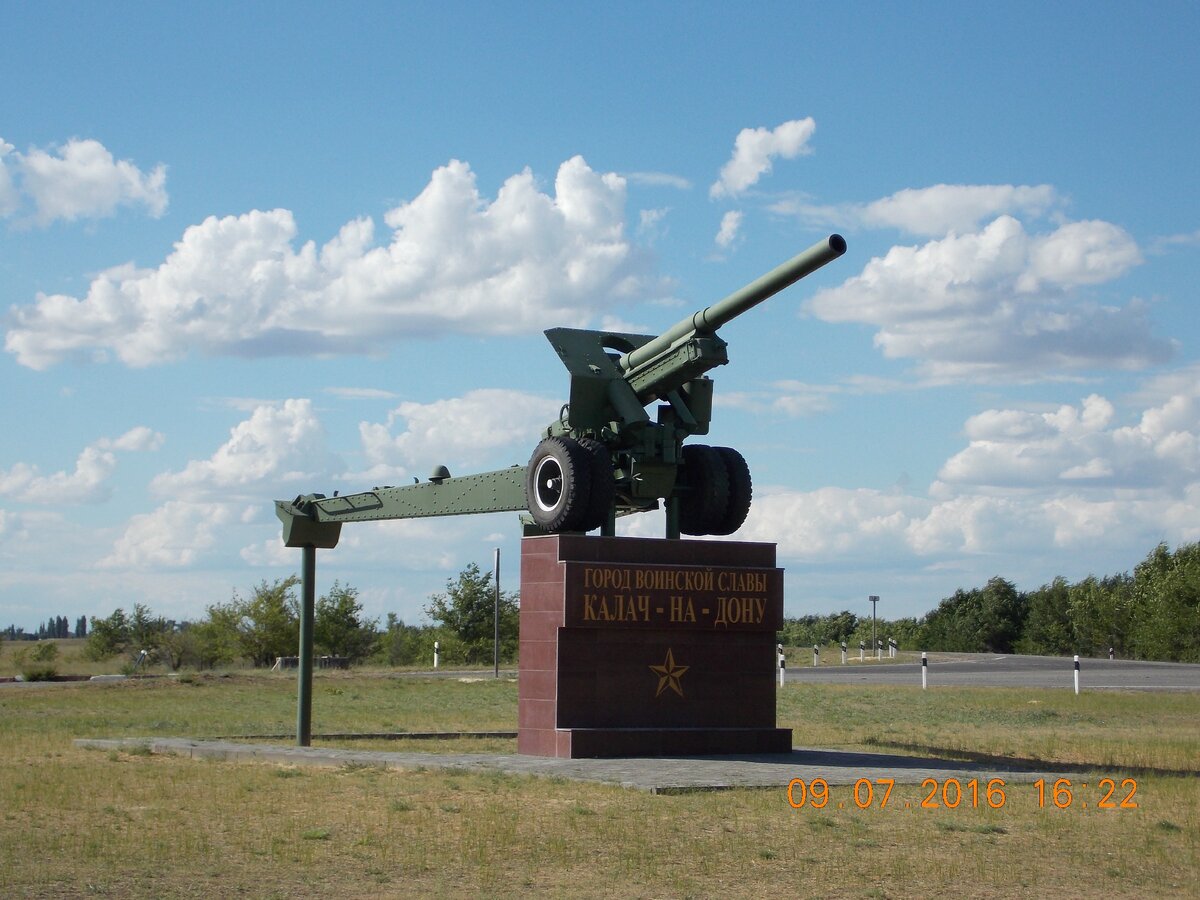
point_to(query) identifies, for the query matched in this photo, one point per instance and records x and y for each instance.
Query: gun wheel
(741, 489)
(705, 499)
(558, 484)
(604, 488)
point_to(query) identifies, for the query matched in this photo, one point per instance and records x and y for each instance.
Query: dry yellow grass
(75, 822)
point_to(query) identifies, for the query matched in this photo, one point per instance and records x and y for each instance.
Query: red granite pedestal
(636, 647)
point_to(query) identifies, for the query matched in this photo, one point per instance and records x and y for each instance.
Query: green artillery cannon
(604, 456)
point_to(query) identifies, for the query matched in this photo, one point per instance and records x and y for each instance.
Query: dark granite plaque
(636, 647)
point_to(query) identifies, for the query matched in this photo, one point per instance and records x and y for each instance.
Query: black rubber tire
(741, 491)
(558, 484)
(705, 495)
(604, 487)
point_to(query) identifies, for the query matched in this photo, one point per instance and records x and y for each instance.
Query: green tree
(338, 627)
(1166, 598)
(1048, 627)
(109, 637)
(466, 611)
(216, 640)
(179, 646)
(1101, 614)
(398, 645)
(986, 619)
(264, 626)
(908, 632)
(145, 630)
(805, 631)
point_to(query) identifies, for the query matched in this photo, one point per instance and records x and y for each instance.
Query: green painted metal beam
(312, 520)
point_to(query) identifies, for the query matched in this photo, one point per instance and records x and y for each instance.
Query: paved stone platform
(657, 775)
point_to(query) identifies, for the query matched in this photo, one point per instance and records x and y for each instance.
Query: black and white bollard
(1077, 673)
(879, 649)
(861, 648)
(1111, 653)
(924, 670)
(435, 654)
(843, 653)
(782, 665)
(816, 656)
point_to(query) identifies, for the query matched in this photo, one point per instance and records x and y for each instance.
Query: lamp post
(874, 598)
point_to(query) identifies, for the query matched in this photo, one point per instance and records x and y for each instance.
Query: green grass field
(77, 822)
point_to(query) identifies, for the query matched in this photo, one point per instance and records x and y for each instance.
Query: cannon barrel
(713, 317)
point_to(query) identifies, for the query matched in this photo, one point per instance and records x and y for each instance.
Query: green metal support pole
(496, 618)
(308, 589)
(672, 505)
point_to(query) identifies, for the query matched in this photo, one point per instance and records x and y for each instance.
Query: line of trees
(266, 625)
(1152, 614)
(805, 631)
(54, 627)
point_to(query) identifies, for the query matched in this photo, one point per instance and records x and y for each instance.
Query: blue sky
(252, 251)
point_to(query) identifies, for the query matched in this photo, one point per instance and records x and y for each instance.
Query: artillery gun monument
(611, 627)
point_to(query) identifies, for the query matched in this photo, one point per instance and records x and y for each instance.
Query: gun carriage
(604, 456)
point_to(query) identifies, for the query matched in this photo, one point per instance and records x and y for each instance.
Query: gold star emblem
(669, 674)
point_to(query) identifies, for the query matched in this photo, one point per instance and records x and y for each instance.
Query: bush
(37, 663)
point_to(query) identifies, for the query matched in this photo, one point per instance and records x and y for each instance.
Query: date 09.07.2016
(951, 793)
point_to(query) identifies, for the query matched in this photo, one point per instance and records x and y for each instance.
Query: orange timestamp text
(952, 793)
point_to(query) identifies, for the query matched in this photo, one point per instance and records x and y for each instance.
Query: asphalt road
(992, 670)
(946, 670)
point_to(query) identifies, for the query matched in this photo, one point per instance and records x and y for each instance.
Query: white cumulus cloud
(280, 443)
(1081, 445)
(9, 199)
(1001, 302)
(930, 211)
(1080, 476)
(278, 449)
(455, 262)
(79, 180)
(175, 535)
(87, 483)
(730, 223)
(943, 208)
(754, 152)
(457, 431)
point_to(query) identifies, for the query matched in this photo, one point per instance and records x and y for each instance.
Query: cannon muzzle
(713, 317)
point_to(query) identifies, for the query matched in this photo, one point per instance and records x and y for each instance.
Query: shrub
(37, 663)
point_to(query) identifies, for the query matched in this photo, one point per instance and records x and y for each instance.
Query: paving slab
(657, 775)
